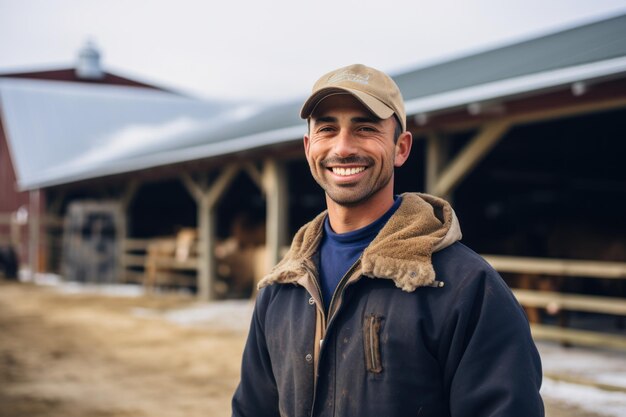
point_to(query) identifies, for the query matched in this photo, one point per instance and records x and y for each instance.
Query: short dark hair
(398, 131)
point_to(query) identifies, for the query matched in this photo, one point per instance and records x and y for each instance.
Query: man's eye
(367, 129)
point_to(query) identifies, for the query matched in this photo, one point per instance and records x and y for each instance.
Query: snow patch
(598, 365)
(111, 290)
(40, 278)
(71, 287)
(228, 315)
(594, 400)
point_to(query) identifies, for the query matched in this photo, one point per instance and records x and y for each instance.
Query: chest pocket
(371, 343)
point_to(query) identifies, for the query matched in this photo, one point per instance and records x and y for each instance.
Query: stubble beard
(351, 195)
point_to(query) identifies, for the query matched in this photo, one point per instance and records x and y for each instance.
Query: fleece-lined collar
(402, 250)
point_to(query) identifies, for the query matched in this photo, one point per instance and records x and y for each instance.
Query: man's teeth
(347, 171)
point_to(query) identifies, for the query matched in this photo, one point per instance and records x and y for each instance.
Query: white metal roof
(61, 131)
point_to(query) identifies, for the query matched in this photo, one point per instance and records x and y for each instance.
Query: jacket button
(308, 357)
(311, 301)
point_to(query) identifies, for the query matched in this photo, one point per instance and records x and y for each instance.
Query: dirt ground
(90, 355)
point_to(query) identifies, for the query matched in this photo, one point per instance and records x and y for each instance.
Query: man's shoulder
(458, 261)
(458, 251)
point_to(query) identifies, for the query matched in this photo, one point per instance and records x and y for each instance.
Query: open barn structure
(526, 140)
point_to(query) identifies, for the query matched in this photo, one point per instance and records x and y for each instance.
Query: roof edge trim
(514, 86)
(225, 147)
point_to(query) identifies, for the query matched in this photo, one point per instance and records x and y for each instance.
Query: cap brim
(377, 107)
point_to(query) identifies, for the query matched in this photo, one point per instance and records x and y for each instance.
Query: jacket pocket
(371, 343)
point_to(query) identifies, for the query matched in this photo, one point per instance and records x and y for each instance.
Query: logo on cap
(349, 76)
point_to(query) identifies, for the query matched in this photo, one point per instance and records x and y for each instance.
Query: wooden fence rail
(528, 298)
(565, 301)
(135, 258)
(561, 267)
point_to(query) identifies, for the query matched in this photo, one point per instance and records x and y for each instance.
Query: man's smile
(346, 171)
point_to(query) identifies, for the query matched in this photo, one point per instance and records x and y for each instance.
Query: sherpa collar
(402, 250)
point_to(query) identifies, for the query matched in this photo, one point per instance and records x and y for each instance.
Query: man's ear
(306, 145)
(403, 148)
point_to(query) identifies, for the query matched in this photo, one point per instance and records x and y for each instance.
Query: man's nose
(345, 144)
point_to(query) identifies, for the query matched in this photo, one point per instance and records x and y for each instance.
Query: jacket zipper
(340, 287)
(338, 293)
(319, 293)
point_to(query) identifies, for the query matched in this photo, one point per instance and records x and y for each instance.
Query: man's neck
(346, 219)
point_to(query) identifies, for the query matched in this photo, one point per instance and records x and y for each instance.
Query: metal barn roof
(61, 132)
(591, 43)
(591, 51)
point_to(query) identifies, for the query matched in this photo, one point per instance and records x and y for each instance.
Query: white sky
(273, 49)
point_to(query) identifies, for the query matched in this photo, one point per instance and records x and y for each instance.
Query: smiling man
(378, 309)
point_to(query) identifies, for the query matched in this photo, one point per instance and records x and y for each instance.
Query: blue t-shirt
(339, 251)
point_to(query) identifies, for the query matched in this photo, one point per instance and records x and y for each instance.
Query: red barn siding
(10, 198)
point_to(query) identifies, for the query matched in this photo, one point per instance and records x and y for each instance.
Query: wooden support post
(121, 232)
(206, 200)
(34, 231)
(255, 174)
(215, 191)
(469, 157)
(275, 187)
(437, 151)
(206, 260)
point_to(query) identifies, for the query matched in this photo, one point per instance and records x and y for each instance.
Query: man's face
(351, 152)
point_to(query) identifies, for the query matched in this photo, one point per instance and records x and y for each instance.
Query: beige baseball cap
(375, 89)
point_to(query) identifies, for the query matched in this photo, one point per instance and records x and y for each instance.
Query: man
(377, 309)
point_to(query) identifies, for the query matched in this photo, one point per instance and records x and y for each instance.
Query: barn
(525, 140)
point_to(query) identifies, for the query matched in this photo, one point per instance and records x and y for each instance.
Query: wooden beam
(136, 244)
(437, 155)
(275, 185)
(469, 157)
(579, 380)
(560, 267)
(206, 230)
(129, 193)
(214, 193)
(434, 159)
(255, 174)
(578, 337)
(463, 122)
(567, 111)
(126, 196)
(206, 242)
(206, 198)
(34, 212)
(134, 261)
(172, 263)
(575, 302)
(193, 189)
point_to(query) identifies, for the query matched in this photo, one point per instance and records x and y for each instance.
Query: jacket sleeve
(492, 366)
(256, 395)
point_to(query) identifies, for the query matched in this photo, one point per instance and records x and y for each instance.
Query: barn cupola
(88, 65)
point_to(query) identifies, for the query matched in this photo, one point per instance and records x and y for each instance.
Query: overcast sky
(270, 50)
